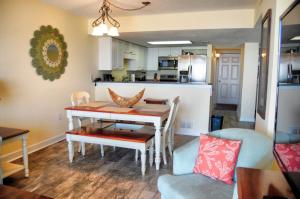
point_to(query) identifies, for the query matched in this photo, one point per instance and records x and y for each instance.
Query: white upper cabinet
(111, 54)
(176, 51)
(152, 59)
(140, 62)
(169, 52)
(130, 51)
(105, 53)
(164, 52)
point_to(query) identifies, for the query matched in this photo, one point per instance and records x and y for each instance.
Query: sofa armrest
(184, 157)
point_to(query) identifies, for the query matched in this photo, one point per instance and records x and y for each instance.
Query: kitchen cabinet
(176, 51)
(169, 52)
(140, 62)
(164, 52)
(152, 59)
(111, 54)
(130, 50)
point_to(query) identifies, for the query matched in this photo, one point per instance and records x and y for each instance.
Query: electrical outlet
(188, 125)
(60, 117)
(182, 124)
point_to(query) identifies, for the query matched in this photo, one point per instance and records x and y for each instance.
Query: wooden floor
(231, 121)
(116, 175)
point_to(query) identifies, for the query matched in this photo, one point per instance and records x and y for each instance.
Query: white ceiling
(217, 37)
(90, 8)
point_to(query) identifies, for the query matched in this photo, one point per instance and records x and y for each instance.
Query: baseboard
(191, 132)
(32, 148)
(243, 119)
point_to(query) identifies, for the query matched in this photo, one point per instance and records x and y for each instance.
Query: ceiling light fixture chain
(100, 27)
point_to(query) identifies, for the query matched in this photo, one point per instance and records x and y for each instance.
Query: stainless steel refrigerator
(195, 65)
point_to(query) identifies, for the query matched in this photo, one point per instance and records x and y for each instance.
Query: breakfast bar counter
(194, 107)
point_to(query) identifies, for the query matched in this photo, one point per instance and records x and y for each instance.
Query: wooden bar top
(7, 133)
(7, 192)
(256, 183)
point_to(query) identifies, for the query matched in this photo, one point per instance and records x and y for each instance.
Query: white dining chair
(78, 98)
(167, 131)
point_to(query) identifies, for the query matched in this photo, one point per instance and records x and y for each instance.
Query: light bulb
(113, 31)
(103, 27)
(97, 31)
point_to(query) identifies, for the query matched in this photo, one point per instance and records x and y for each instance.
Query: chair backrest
(80, 97)
(172, 115)
(256, 148)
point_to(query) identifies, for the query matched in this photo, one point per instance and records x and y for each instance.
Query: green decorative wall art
(49, 52)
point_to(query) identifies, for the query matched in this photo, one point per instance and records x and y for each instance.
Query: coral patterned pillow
(217, 158)
(290, 156)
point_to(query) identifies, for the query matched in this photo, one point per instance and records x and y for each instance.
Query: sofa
(255, 152)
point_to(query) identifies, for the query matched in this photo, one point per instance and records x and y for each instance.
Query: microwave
(167, 63)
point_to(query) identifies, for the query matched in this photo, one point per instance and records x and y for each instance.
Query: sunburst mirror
(49, 52)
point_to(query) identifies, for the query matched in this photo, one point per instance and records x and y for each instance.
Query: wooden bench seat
(112, 137)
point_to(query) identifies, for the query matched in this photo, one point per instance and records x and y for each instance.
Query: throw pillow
(290, 156)
(217, 158)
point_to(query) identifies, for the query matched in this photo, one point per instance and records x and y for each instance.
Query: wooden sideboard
(8, 135)
(256, 183)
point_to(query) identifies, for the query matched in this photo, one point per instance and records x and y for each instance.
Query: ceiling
(217, 37)
(90, 8)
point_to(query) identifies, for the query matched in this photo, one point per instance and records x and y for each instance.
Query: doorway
(228, 79)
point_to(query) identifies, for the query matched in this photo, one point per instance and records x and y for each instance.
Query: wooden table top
(7, 192)
(256, 183)
(7, 133)
(110, 107)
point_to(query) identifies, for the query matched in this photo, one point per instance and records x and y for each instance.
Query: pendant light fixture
(106, 24)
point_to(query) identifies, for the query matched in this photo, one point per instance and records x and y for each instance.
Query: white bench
(116, 138)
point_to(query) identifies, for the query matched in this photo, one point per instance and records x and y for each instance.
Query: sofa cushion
(217, 158)
(193, 186)
(256, 148)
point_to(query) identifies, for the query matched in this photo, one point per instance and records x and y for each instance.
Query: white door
(228, 79)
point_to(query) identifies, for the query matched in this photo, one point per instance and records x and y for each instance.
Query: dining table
(143, 113)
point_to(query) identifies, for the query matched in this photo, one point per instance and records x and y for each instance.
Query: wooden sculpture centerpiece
(125, 101)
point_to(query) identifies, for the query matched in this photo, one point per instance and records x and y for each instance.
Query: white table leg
(25, 154)
(71, 150)
(102, 150)
(151, 153)
(157, 144)
(82, 144)
(136, 155)
(143, 161)
(70, 121)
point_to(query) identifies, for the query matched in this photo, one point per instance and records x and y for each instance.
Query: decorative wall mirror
(263, 64)
(48, 52)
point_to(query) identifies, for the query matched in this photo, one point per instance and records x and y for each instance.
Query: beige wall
(28, 101)
(278, 7)
(249, 66)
